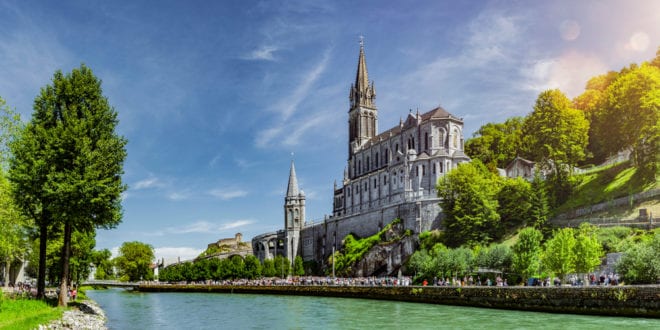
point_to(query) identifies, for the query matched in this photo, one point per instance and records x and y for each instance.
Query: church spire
(362, 92)
(292, 189)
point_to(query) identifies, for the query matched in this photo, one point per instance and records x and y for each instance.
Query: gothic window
(412, 143)
(423, 170)
(387, 156)
(396, 147)
(376, 160)
(440, 167)
(366, 188)
(375, 183)
(434, 165)
(384, 180)
(359, 166)
(290, 218)
(349, 192)
(368, 163)
(455, 139)
(426, 141)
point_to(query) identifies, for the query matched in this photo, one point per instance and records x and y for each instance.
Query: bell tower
(363, 115)
(294, 215)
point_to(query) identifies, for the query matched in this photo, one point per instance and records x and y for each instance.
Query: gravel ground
(88, 316)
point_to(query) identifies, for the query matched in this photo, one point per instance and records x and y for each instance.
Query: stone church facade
(389, 175)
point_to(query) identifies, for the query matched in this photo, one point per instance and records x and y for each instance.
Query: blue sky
(214, 96)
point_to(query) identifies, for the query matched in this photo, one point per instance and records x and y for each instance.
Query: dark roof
(437, 113)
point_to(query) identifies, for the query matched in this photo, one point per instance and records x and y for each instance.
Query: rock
(88, 316)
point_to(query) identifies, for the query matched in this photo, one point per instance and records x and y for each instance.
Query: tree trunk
(5, 274)
(66, 250)
(41, 276)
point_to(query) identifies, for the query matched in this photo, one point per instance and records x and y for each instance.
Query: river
(133, 310)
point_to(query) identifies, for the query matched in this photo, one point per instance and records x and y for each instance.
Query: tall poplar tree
(67, 165)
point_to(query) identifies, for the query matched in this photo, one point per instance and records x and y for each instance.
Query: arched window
(359, 166)
(376, 160)
(368, 164)
(426, 141)
(387, 156)
(396, 148)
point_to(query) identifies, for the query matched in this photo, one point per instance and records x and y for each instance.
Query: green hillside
(604, 184)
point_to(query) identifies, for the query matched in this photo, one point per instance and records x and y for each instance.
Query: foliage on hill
(354, 249)
(605, 184)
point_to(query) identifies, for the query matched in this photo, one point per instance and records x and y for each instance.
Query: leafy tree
(559, 255)
(515, 203)
(268, 268)
(497, 256)
(467, 198)
(527, 252)
(102, 260)
(556, 136)
(539, 209)
(13, 229)
(496, 144)
(67, 164)
(282, 266)
(298, 269)
(633, 104)
(134, 260)
(423, 264)
(252, 267)
(641, 263)
(588, 249)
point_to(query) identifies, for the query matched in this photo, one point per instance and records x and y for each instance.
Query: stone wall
(636, 301)
(318, 239)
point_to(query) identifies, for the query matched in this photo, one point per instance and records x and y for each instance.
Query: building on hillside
(521, 167)
(389, 175)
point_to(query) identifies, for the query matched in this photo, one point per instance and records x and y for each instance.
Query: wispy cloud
(197, 227)
(289, 104)
(227, 194)
(235, 224)
(150, 182)
(264, 53)
(178, 195)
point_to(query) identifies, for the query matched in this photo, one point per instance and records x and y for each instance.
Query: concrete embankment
(635, 301)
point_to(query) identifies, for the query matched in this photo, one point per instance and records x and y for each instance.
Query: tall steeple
(363, 115)
(294, 215)
(292, 189)
(362, 93)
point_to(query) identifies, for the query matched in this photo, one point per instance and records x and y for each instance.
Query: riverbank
(87, 315)
(632, 301)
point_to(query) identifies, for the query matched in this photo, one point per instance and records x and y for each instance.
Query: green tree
(468, 199)
(556, 136)
(134, 260)
(298, 269)
(68, 162)
(515, 203)
(497, 256)
(13, 230)
(496, 144)
(268, 268)
(252, 267)
(282, 266)
(640, 264)
(588, 249)
(539, 209)
(527, 252)
(102, 260)
(559, 254)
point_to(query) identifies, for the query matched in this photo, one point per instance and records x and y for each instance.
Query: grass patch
(26, 313)
(605, 184)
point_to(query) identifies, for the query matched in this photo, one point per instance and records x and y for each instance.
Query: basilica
(389, 175)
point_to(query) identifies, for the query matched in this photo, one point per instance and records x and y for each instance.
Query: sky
(216, 98)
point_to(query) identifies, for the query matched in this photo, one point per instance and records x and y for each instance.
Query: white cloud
(235, 224)
(197, 227)
(151, 182)
(263, 53)
(228, 194)
(638, 42)
(288, 105)
(569, 73)
(172, 254)
(178, 196)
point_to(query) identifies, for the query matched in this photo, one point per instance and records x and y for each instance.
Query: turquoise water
(131, 310)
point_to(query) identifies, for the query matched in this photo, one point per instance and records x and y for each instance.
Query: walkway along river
(126, 309)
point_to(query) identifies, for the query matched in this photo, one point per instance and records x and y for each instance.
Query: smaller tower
(294, 215)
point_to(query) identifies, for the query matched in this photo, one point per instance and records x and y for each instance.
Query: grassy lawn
(606, 184)
(26, 313)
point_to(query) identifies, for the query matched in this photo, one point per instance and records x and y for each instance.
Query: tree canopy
(134, 261)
